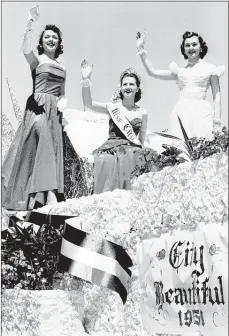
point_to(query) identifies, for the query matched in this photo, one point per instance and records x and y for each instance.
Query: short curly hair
(204, 48)
(59, 49)
(138, 94)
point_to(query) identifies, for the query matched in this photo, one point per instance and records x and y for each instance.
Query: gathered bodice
(48, 78)
(193, 82)
(116, 137)
(115, 133)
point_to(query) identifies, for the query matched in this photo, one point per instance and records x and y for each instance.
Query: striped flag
(87, 256)
(94, 259)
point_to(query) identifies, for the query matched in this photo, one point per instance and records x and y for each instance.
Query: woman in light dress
(196, 114)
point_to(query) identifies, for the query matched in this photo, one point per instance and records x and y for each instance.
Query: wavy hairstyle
(132, 73)
(59, 49)
(203, 45)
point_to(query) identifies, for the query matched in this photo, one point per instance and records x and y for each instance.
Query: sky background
(104, 33)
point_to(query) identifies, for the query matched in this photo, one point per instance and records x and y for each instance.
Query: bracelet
(86, 82)
(28, 30)
(141, 52)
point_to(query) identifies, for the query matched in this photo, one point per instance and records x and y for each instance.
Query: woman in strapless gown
(119, 160)
(196, 114)
(32, 173)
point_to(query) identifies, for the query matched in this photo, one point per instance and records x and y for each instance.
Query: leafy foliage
(202, 148)
(170, 157)
(146, 161)
(29, 258)
(193, 148)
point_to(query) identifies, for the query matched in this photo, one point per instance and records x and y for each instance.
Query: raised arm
(151, 71)
(142, 133)
(27, 40)
(86, 70)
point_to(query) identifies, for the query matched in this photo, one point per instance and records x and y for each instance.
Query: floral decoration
(161, 254)
(183, 196)
(214, 250)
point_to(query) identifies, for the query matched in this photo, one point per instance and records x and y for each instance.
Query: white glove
(140, 42)
(34, 14)
(62, 104)
(217, 125)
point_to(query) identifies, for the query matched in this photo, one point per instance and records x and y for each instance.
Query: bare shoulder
(61, 65)
(41, 58)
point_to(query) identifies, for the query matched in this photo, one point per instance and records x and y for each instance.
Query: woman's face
(129, 87)
(50, 41)
(192, 47)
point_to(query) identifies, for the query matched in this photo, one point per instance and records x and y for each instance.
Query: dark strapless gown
(117, 161)
(34, 163)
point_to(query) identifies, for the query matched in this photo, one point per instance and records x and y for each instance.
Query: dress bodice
(116, 137)
(115, 133)
(194, 82)
(48, 78)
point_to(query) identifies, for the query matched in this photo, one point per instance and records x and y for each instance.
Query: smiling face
(129, 87)
(192, 48)
(50, 41)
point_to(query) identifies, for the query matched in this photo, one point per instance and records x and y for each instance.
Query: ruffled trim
(173, 67)
(218, 70)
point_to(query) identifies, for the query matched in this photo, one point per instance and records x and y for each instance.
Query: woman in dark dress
(123, 155)
(33, 170)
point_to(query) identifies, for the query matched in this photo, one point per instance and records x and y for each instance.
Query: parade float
(172, 226)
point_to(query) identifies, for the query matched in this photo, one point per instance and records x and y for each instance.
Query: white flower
(186, 196)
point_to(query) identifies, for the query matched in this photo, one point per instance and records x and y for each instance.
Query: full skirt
(196, 117)
(34, 162)
(115, 166)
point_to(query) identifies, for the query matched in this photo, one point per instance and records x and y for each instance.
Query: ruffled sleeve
(173, 67)
(218, 70)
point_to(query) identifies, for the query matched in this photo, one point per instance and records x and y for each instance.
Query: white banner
(118, 117)
(184, 280)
